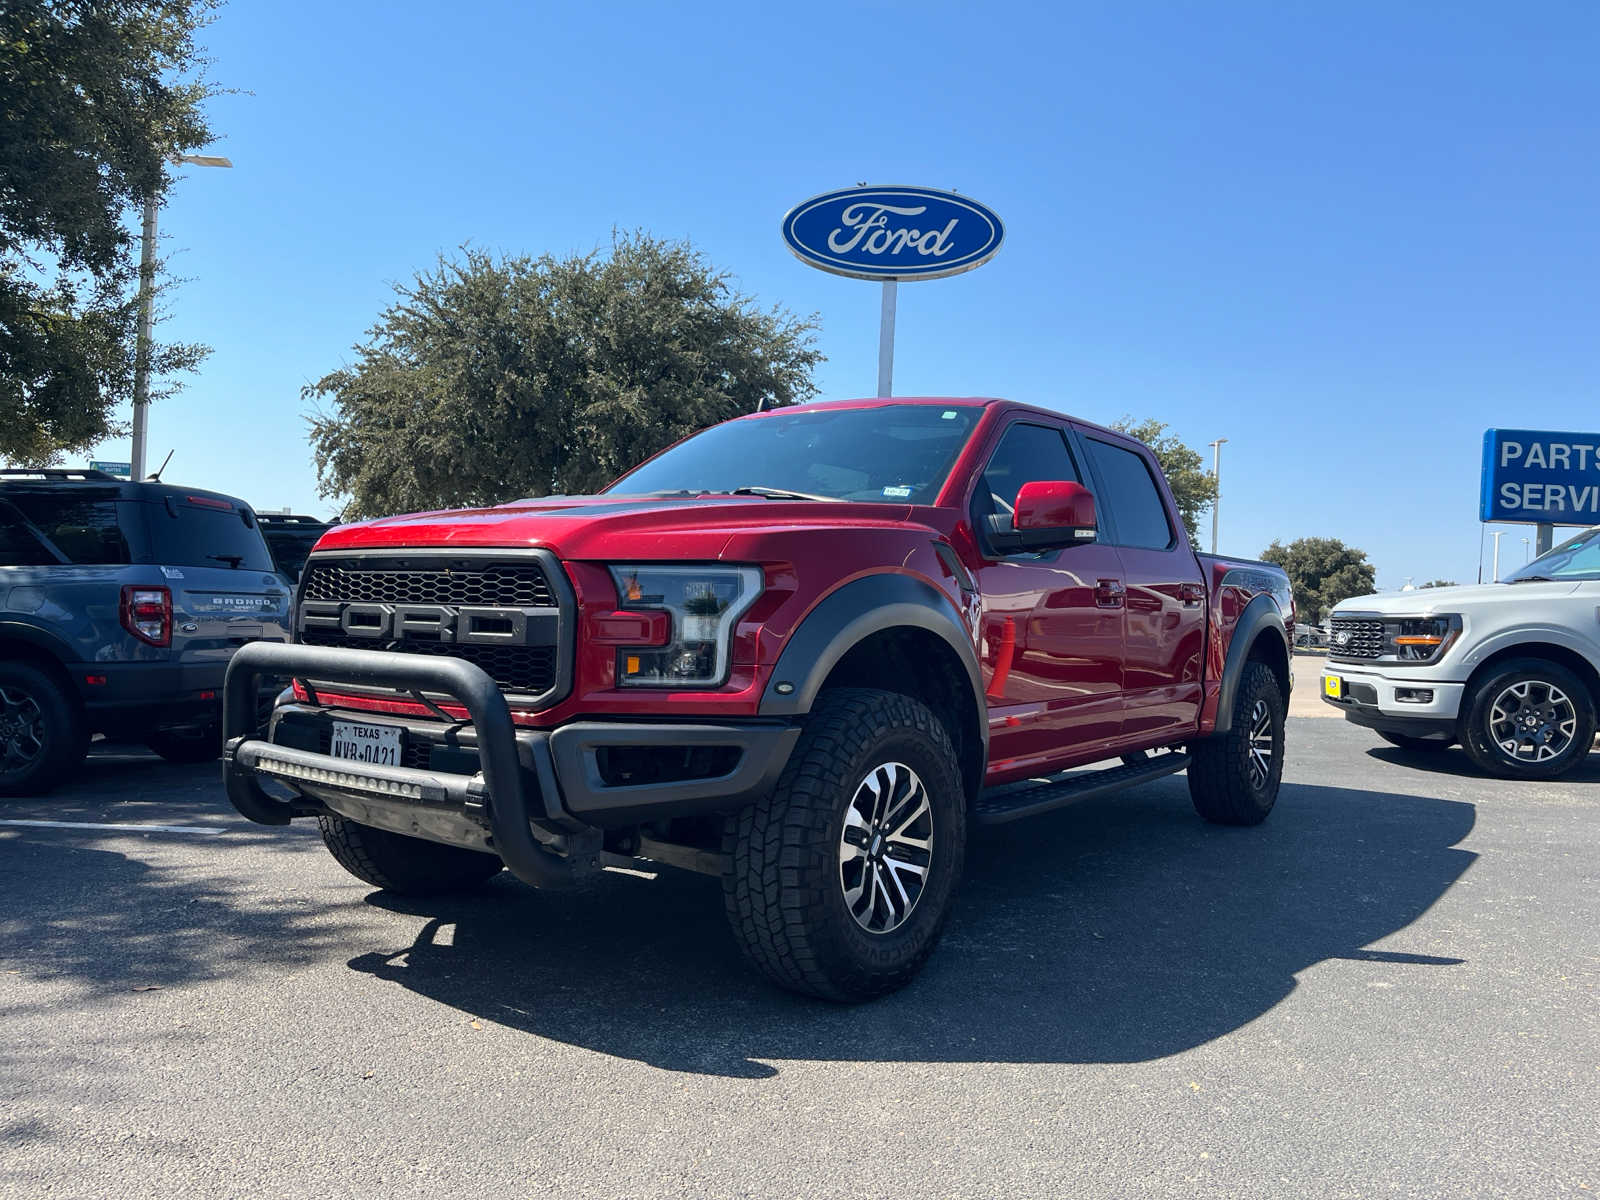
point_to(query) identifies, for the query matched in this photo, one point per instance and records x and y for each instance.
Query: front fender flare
(856, 611)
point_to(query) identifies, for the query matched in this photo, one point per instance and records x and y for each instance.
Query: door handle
(1108, 593)
(1192, 594)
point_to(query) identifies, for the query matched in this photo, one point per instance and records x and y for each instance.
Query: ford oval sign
(893, 233)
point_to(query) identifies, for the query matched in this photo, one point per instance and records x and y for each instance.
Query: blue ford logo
(893, 233)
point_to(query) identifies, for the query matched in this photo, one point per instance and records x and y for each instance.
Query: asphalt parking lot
(1390, 989)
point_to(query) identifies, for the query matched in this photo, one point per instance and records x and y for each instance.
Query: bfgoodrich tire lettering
(404, 865)
(787, 880)
(1538, 707)
(1233, 779)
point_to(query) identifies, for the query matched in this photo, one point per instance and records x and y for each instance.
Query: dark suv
(291, 538)
(120, 606)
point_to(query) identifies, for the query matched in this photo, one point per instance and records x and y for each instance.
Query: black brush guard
(500, 793)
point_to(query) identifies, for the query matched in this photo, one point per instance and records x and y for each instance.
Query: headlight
(703, 603)
(1420, 639)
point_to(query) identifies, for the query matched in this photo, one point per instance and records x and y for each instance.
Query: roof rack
(58, 473)
(287, 519)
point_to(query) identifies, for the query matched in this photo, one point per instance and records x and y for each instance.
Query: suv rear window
(84, 524)
(201, 532)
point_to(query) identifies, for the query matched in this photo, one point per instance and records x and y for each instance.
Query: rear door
(213, 559)
(1164, 628)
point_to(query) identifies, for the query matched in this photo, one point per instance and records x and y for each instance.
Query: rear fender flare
(1260, 618)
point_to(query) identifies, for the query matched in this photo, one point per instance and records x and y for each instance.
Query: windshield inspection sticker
(948, 414)
(898, 493)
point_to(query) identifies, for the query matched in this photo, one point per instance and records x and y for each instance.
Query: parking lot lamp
(1496, 534)
(1216, 475)
(141, 345)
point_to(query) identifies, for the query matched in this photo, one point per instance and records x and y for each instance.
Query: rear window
(85, 525)
(200, 532)
(19, 545)
(1137, 512)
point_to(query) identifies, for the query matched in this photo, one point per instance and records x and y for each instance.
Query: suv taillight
(147, 614)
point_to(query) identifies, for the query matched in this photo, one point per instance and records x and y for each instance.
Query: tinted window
(1131, 497)
(18, 545)
(84, 524)
(291, 547)
(191, 533)
(1026, 454)
(898, 453)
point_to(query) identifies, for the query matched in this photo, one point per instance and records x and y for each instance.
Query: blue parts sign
(898, 233)
(1541, 478)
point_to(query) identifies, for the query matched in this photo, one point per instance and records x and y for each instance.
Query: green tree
(1438, 583)
(94, 100)
(1193, 487)
(491, 378)
(1323, 571)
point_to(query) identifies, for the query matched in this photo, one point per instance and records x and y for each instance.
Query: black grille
(500, 585)
(1356, 639)
(513, 668)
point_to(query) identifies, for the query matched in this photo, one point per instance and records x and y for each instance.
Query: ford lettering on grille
(462, 626)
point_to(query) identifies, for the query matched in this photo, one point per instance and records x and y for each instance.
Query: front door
(1052, 622)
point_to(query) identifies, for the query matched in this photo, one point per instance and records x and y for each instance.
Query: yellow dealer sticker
(1334, 686)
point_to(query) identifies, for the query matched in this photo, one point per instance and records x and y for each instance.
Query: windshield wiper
(775, 494)
(1532, 579)
(233, 560)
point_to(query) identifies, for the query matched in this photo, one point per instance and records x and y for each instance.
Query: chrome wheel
(1533, 721)
(21, 729)
(1260, 745)
(886, 847)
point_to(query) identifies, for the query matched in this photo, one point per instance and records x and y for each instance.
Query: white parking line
(117, 828)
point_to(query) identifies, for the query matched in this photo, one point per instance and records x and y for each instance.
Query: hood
(1425, 602)
(611, 527)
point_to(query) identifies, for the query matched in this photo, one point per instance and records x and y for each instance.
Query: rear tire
(1407, 742)
(839, 882)
(187, 745)
(406, 866)
(42, 737)
(1234, 777)
(1552, 698)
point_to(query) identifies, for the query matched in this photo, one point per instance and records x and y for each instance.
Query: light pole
(141, 345)
(1216, 475)
(1496, 534)
(1526, 557)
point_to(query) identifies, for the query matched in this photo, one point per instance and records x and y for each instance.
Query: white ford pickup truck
(1511, 670)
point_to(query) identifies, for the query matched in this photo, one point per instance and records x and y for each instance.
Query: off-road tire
(1222, 785)
(1481, 747)
(57, 731)
(187, 745)
(782, 887)
(406, 866)
(1406, 741)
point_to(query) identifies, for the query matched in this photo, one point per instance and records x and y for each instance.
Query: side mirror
(1049, 514)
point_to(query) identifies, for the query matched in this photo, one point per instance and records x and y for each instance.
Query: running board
(1012, 804)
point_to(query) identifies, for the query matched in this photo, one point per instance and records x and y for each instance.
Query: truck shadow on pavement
(1116, 931)
(1454, 761)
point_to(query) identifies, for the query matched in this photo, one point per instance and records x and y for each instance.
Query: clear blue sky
(1348, 237)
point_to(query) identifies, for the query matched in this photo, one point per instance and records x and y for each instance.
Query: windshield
(202, 532)
(895, 453)
(1575, 558)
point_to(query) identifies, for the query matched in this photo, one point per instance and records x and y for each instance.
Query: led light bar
(339, 779)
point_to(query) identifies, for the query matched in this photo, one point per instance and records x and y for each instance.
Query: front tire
(406, 866)
(839, 882)
(1234, 777)
(42, 736)
(1528, 719)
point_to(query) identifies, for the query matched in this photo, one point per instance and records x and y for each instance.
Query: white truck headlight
(703, 603)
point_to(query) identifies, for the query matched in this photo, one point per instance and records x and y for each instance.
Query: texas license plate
(1333, 686)
(376, 744)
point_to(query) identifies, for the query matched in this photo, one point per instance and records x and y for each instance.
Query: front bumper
(527, 795)
(1370, 696)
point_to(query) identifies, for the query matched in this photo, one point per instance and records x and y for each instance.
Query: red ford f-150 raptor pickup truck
(801, 649)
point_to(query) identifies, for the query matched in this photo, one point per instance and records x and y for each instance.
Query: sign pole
(886, 340)
(1545, 539)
